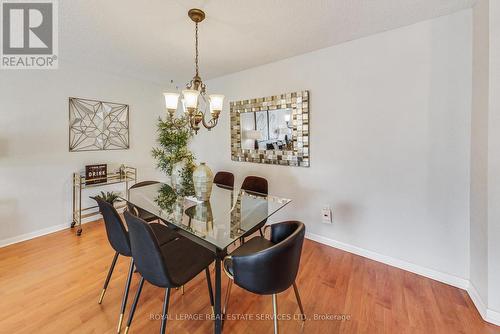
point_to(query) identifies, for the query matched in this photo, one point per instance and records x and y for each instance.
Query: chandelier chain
(196, 48)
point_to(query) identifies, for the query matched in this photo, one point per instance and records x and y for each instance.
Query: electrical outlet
(327, 215)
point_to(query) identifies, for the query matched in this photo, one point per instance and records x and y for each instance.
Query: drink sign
(96, 173)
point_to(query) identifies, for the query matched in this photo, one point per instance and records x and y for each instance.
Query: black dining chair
(268, 267)
(143, 214)
(118, 238)
(167, 266)
(138, 211)
(225, 179)
(257, 186)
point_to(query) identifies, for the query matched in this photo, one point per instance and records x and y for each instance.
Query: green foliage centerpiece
(173, 155)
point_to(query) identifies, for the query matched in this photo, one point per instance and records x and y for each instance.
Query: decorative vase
(203, 180)
(176, 176)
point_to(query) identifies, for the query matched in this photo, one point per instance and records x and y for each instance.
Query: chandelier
(195, 102)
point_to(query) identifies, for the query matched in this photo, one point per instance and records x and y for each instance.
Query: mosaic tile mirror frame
(271, 130)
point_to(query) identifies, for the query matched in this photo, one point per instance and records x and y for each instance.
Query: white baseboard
(462, 283)
(492, 317)
(31, 235)
(487, 314)
(42, 232)
(47, 230)
(414, 268)
(476, 299)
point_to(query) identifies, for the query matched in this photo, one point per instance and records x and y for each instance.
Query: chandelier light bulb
(171, 100)
(216, 102)
(190, 98)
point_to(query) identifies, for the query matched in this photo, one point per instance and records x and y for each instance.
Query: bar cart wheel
(73, 223)
(79, 232)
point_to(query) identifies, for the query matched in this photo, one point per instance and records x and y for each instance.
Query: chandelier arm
(210, 124)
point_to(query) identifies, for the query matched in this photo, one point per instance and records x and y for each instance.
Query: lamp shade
(171, 100)
(216, 102)
(190, 98)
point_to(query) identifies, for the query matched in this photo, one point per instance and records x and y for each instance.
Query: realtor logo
(29, 34)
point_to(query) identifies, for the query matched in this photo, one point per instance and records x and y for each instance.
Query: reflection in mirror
(266, 130)
(201, 218)
(253, 208)
(170, 202)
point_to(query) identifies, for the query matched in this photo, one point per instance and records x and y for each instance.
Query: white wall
(479, 152)
(494, 164)
(390, 141)
(35, 165)
(485, 162)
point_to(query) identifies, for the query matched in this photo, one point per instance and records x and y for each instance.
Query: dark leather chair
(255, 184)
(268, 267)
(138, 211)
(169, 266)
(225, 179)
(118, 238)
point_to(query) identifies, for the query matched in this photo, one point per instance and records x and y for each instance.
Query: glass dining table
(215, 224)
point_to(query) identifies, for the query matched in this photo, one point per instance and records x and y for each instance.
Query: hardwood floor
(52, 284)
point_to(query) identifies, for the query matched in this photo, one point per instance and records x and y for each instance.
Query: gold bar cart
(126, 175)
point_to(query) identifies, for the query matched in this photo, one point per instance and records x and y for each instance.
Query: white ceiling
(154, 40)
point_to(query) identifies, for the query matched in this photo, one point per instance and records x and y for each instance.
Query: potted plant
(173, 155)
(110, 197)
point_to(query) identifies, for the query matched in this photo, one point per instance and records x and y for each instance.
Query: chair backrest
(255, 184)
(146, 251)
(274, 269)
(143, 184)
(115, 230)
(132, 208)
(224, 179)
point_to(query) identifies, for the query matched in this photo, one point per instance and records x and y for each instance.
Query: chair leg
(134, 305)
(228, 293)
(164, 317)
(210, 290)
(110, 272)
(275, 311)
(181, 288)
(261, 233)
(125, 294)
(299, 301)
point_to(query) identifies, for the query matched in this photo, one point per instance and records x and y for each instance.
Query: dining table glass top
(228, 215)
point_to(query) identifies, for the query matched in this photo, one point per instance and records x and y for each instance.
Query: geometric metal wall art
(97, 125)
(295, 150)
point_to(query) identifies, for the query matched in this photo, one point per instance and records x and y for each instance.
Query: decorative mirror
(271, 130)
